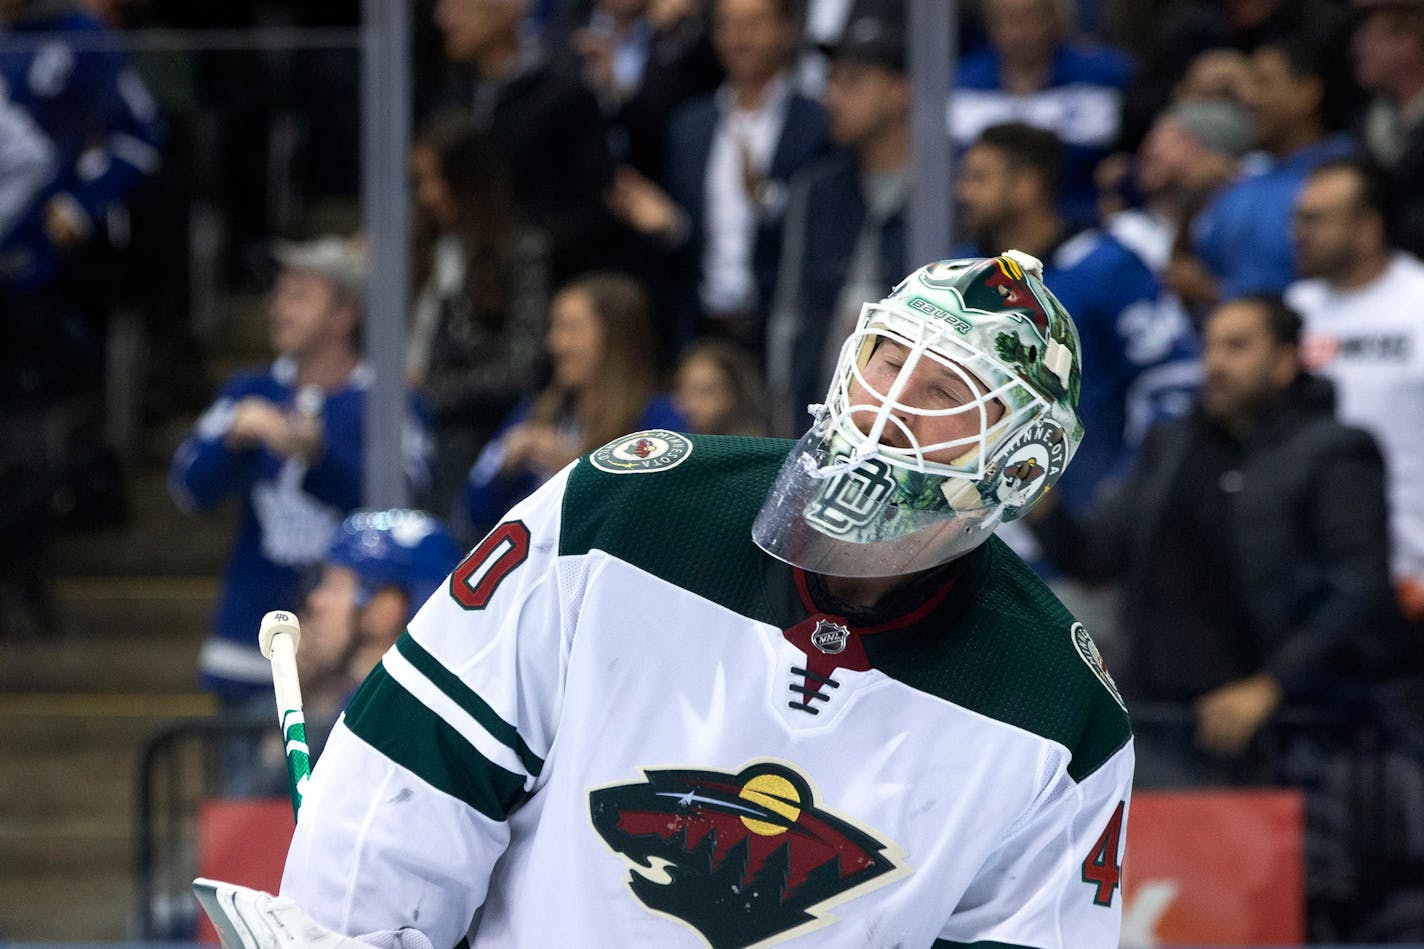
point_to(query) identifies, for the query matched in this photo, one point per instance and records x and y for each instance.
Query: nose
(899, 430)
(895, 437)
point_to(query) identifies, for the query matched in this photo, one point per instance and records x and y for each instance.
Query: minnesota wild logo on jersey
(745, 859)
(654, 450)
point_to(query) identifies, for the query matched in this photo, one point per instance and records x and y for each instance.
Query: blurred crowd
(634, 214)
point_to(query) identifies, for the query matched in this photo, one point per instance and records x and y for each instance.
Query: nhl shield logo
(642, 452)
(830, 637)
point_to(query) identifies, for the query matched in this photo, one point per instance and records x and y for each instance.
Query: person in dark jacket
(1250, 537)
(1389, 63)
(716, 214)
(643, 60)
(546, 125)
(475, 345)
(843, 236)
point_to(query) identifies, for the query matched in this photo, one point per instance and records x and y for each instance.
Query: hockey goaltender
(703, 691)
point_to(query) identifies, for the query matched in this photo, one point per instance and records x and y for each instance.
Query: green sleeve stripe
(395, 723)
(465, 697)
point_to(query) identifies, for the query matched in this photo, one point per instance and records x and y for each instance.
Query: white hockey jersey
(623, 724)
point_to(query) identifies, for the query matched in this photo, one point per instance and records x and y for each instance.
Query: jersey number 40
(477, 577)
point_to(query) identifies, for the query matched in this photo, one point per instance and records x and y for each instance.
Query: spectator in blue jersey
(1241, 240)
(730, 156)
(26, 162)
(1030, 73)
(78, 131)
(1142, 355)
(379, 569)
(286, 443)
(93, 118)
(843, 240)
(605, 383)
(1192, 151)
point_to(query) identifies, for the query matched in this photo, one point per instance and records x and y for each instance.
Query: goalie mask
(952, 410)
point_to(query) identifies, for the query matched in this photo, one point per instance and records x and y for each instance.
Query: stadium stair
(132, 604)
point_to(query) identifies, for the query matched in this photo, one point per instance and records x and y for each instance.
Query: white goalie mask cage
(863, 494)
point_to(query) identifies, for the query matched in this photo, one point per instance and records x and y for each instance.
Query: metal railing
(179, 768)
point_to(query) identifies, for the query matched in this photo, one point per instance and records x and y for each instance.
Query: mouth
(1215, 391)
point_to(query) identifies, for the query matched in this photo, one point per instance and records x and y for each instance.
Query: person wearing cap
(1192, 151)
(1389, 62)
(843, 239)
(286, 443)
(379, 569)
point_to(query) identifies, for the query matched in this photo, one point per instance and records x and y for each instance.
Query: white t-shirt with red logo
(1369, 341)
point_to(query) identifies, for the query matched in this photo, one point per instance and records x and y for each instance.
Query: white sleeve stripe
(428, 694)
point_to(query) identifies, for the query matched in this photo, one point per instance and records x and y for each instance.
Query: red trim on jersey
(803, 588)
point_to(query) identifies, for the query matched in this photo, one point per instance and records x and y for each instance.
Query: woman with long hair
(604, 383)
(719, 389)
(475, 341)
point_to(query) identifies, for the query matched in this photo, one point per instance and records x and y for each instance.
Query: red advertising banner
(1217, 868)
(243, 841)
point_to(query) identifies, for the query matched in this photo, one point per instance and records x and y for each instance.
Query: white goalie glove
(251, 919)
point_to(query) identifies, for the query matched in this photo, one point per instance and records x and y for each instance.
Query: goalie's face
(931, 403)
(951, 411)
(886, 481)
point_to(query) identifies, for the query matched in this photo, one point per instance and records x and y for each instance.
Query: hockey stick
(279, 635)
(236, 911)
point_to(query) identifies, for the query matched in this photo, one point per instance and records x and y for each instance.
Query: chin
(458, 51)
(570, 381)
(1217, 408)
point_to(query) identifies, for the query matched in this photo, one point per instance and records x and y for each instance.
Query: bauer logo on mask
(851, 500)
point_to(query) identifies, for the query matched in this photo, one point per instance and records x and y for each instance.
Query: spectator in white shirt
(1363, 305)
(718, 209)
